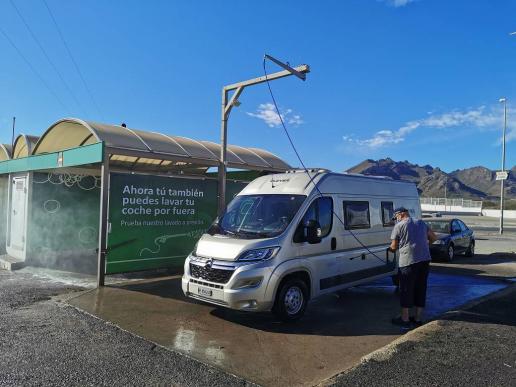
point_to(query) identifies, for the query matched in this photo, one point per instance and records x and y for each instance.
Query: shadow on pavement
(359, 311)
(481, 265)
(352, 312)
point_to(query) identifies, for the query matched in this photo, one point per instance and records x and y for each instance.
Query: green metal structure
(94, 197)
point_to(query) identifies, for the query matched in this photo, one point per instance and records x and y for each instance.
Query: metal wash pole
(502, 180)
(238, 88)
(103, 220)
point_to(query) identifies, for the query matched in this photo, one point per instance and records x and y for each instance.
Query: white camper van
(282, 241)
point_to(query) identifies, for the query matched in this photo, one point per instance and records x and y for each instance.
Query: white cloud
(480, 118)
(267, 113)
(398, 3)
(381, 138)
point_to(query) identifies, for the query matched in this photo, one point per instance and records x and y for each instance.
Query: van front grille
(211, 274)
(207, 284)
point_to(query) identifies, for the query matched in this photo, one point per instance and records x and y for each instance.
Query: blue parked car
(454, 237)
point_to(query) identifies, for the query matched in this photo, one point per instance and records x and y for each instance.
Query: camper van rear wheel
(291, 300)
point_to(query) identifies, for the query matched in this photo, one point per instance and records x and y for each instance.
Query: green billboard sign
(155, 221)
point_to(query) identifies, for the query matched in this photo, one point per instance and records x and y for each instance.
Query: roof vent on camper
(311, 170)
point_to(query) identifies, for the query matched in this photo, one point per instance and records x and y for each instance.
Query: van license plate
(204, 292)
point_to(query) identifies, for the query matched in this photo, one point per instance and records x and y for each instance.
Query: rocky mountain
(471, 183)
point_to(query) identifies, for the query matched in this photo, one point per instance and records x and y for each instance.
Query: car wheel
(470, 252)
(450, 253)
(291, 300)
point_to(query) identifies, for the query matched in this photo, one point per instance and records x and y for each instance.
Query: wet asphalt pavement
(44, 342)
(336, 332)
(475, 346)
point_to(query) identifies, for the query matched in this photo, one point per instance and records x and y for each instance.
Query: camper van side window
(387, 214)
(321, 210)
(356, 215)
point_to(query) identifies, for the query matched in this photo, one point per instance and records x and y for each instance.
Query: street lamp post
(229, 103)
(502, 181)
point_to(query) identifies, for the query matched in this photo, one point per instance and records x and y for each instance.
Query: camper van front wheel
(291, 300)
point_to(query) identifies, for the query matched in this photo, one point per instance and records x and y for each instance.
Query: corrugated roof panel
(161, 143)
(271, 158)
(195, 148)
(66, 134)
(5, 152)
(118, 136)
(215, 149)
(248, 156)
(124, 159)
(148, 161)
(72, 132)
(23, 146)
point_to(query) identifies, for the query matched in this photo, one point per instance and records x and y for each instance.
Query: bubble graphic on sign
(88, 235)
(84, 182)
(88, 183)
(51, 206)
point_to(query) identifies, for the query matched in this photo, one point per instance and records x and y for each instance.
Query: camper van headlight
(259, 254)
(194, 251)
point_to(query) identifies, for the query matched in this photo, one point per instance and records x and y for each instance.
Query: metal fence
(452, 202)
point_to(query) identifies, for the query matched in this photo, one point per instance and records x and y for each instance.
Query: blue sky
(411, 80)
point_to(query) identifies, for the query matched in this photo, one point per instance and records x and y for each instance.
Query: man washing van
(411, 237)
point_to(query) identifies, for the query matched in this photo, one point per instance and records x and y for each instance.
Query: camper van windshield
(258, 216)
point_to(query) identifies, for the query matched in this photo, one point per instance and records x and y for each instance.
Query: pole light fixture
(229, 103)
(502, 181)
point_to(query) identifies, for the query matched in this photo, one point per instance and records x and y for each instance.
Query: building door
(18, 217)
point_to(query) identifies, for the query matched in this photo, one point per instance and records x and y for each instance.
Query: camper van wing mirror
(313, 231)
(214, 228)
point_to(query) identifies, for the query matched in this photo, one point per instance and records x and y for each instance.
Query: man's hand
(431, 236)
(394, 245)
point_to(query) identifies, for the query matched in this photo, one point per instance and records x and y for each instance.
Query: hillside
(471, 183)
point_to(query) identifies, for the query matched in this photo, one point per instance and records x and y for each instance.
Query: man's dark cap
(400, 210)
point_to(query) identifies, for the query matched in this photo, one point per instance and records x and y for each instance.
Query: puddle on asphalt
(448, 291)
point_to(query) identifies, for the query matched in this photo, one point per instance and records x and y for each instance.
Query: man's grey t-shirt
(412, 241)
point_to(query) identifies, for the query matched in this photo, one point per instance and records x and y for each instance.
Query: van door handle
(333, 243)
